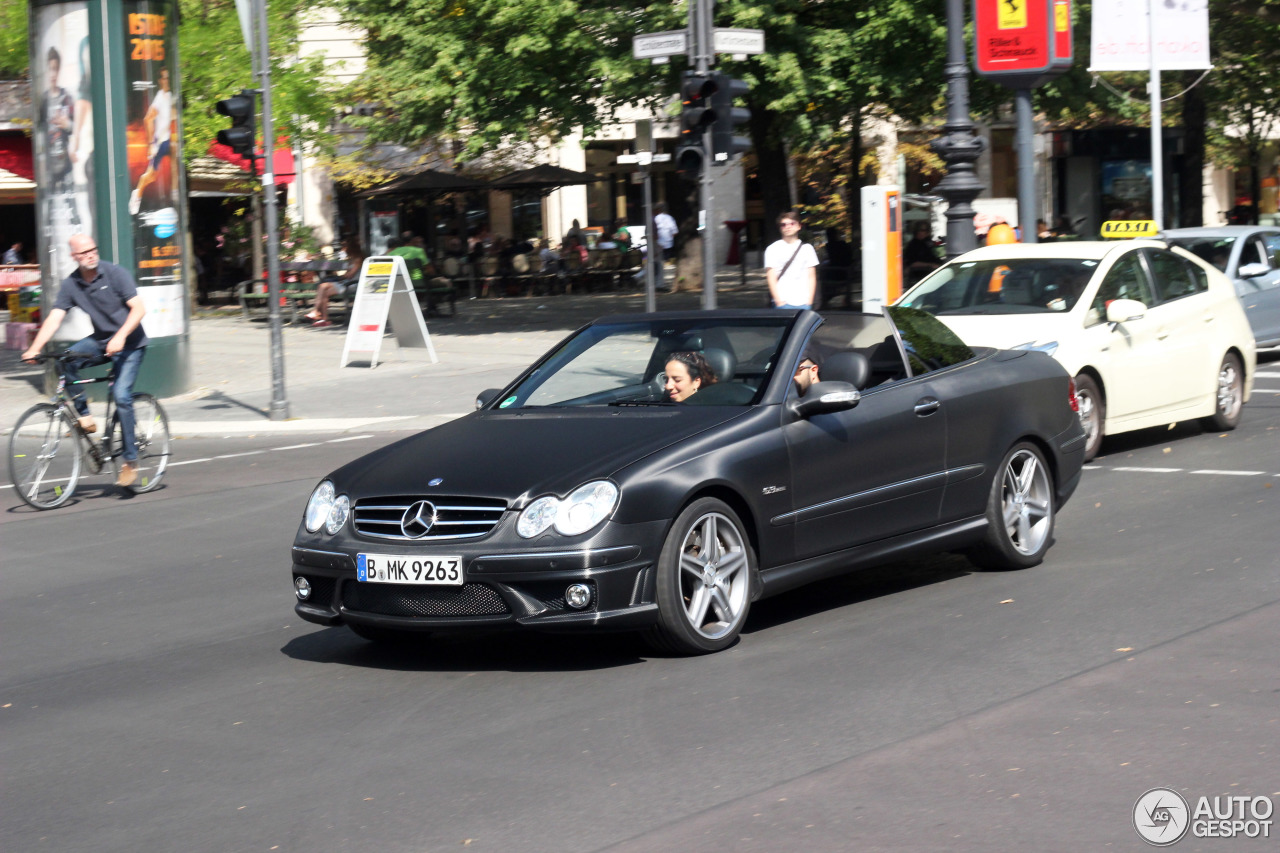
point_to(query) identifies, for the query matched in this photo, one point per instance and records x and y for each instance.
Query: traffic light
(724, 142)
(240, 137)
(695, 113)
(688, 160)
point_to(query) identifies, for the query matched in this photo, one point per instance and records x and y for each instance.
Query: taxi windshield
(1003, 286)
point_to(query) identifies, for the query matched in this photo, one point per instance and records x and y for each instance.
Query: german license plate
(397, 568)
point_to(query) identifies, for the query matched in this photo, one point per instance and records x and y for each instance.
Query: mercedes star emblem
(417, 520)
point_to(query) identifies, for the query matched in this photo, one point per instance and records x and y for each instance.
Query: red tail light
(1071, 395)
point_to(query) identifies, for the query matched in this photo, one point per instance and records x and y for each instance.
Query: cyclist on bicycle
(109, 295)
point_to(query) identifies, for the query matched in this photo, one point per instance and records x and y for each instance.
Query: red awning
(15, 156)
(281, 162)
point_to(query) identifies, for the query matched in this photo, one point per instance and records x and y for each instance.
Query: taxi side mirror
(1125, 310)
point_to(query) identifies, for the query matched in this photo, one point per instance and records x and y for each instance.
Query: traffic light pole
(700, 21)
(279, 407)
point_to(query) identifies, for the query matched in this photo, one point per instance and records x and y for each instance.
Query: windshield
(1213, 250)
(1003, 286)
(717, 362)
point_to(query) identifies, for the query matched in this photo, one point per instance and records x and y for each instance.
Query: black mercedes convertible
(659, 472)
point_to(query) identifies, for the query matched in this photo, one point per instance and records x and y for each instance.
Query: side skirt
(944, 537)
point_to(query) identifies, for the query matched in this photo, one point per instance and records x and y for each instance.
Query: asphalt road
(157, 692)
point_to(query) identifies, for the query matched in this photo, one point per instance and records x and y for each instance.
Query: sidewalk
(484, 346)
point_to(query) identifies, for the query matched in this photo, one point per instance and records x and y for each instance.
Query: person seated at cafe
(920, 255)
(687, 372)
(13, 255)
(550, 258)
(572, 247)
(349, 278)
(621, 235)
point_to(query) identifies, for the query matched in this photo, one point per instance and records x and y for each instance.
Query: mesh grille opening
(386, 599)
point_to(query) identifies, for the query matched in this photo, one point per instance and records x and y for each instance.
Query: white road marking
(1269, 374)
(174, 464)
(1146, 470)
(1229, 473)
(1258, 390)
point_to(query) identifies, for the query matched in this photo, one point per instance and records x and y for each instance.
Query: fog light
(302, 587)
(578, 595)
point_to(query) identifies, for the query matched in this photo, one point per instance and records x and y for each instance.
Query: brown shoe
(128, 474)
(87, 424)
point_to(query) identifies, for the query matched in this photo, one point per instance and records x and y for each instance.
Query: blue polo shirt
(103, 299)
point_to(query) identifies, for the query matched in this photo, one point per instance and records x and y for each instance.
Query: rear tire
(44, 457)
(1230, 398)
(1020, 512)
(1093, 414)
(705, 580)
(151, 430)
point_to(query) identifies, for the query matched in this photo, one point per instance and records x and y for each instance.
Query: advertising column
(108, 161)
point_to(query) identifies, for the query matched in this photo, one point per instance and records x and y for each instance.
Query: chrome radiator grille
(450, 517)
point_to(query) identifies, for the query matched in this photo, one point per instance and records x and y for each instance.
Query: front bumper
(522, 588)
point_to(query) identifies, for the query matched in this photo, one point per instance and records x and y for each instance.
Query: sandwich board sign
(384, 292)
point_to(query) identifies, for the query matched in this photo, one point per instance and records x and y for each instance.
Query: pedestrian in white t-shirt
(790, 266)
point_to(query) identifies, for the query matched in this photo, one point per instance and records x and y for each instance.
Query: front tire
(44, 457)
(1020, 512)
(1230, 399)
(704, 583)
(1093, 414)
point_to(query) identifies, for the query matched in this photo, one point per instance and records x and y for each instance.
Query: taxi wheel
(1093, 414)
(705, 580)
(1230, 395)
(1020, 512)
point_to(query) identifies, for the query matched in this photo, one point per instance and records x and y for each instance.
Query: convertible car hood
(527, 452)
(1010, 330)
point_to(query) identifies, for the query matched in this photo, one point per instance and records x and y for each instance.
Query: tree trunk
(771, 158)
(1191, 188)
(854, 202)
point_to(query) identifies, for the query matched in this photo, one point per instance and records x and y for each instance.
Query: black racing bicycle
(48, 448)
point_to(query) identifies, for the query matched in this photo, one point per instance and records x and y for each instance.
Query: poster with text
(151, 108)
(62, 140)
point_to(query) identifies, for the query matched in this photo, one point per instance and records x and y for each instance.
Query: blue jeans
(126, 366)
(794, 306)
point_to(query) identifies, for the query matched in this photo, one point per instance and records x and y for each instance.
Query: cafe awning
(545, 178)
(425, 181)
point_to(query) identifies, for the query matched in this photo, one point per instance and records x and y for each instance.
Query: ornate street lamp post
(958, 148)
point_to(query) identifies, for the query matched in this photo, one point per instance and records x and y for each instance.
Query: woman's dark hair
(696, 364)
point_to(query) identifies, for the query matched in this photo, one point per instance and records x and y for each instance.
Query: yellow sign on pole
(1129, 229)
(1011, 15)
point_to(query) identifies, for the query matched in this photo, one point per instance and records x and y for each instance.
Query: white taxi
(1152, 334)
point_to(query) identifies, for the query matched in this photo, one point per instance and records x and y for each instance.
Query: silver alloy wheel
(1230, 389)
(714, 581)
(1026, 499)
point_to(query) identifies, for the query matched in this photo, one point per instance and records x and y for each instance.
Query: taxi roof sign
(1129, 229)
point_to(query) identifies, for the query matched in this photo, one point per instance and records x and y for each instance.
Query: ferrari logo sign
(1011, 15)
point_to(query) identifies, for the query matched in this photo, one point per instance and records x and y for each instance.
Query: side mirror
(825, 397)
(1253, 270)
(486, 397)
(1124, 310)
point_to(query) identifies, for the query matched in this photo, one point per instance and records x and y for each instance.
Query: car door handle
(927, 406)
(1162, 334)
(1208, 318)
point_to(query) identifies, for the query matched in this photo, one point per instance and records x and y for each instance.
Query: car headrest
(723, 363)
(851, 367)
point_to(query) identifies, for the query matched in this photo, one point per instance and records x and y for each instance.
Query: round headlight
(338, 514)
(537, 517)
(318, 507)
(586, 507)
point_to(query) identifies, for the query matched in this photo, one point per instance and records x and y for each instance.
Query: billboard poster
(1121, 35)
(62, 141)
(153, 161)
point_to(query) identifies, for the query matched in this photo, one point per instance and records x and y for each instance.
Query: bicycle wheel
(44, 457)
(151, 431)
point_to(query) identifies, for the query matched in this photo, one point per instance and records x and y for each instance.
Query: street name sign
(737, 41)
(659, 46)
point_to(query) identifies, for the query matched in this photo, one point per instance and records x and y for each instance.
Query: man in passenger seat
(807, 373)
